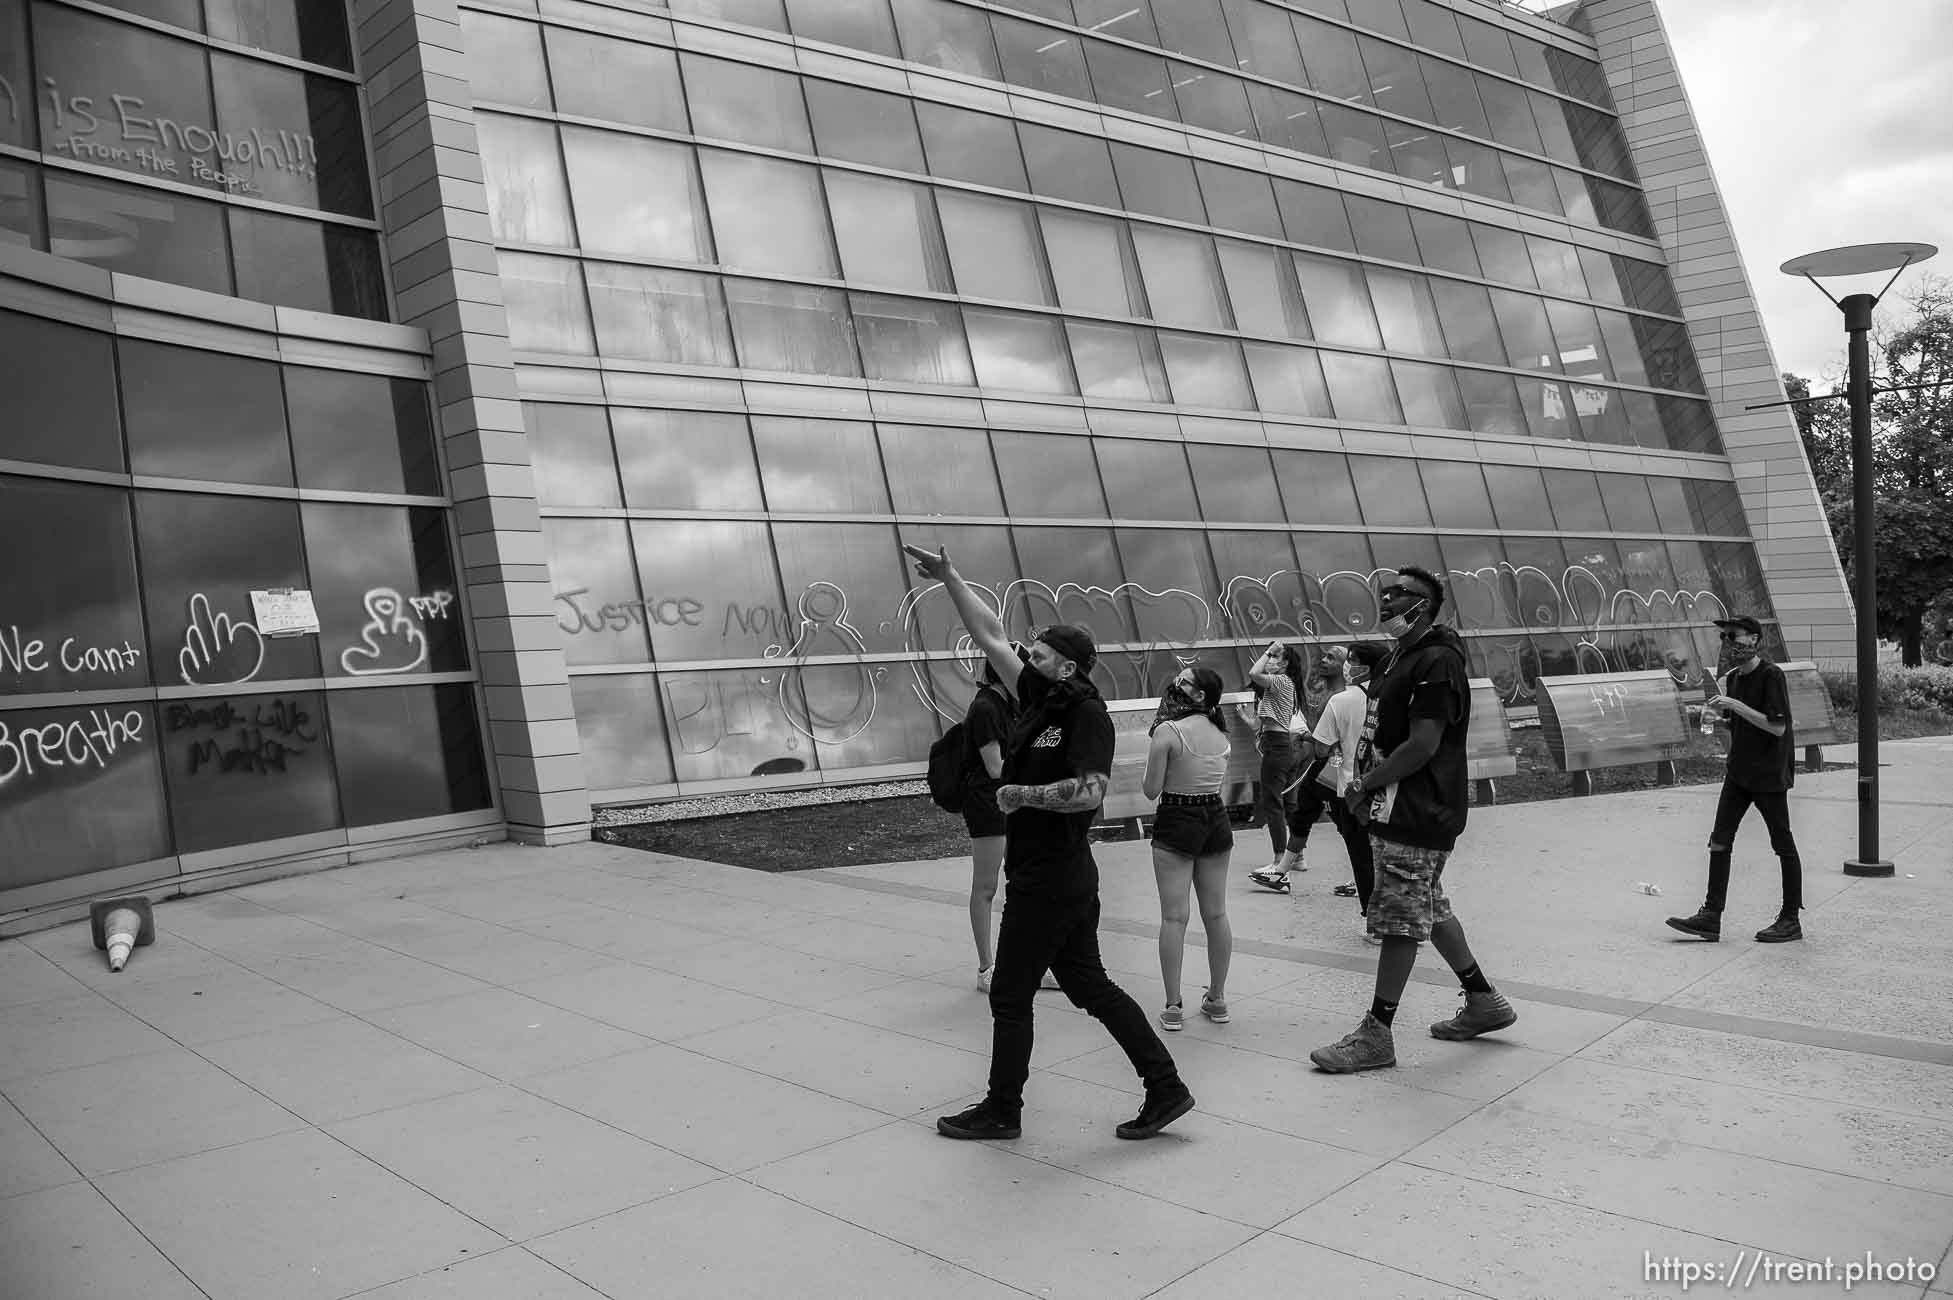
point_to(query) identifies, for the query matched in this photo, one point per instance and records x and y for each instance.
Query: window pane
(599, 609)
(1531, 183)
(72, 820)
(655, 315)
(820, 466)
(260, 106)
(1288, 381)
(1041, 58)
(1355, 138)
(1576, 333)
(1121, 18)
(16, 127)
(1454, 97)
(505, 60)
(1549, 410)
(136, 231)
(54, 642)
(1623, 352)
(1158, 184)
(1470, 332)
(22, 209)
(1236, 484)
(1391, 492)
(1519, 497)
(1382, 229)
(857, 24)
(1666, 352)
(547, 308)
(909, 340)
(1406, 312)
(975, 147)
(1528, 339)
(1603, 414)
(1329, 53)
(1434, 27)
(1379, 15)
(768, 14)
(1092, 263)
(1196, 28)
(217, 744)
(685, 460)
(528, 200)
(1264, 41)
(1419, 155)
(1630, 508)
(1259, 593)
(1018, 353)
(1643, 412)
(293, 262)
(1239, 200)
(409, 752)
(1689, 425)
(767, 214)
(1063, 566)
(940, 471)
(845, 586)
(724, 567)
(1338, 301)
(1486, 45)
(570, 449)
(116, 83)
(1312, 214)
(202, 557)
(1048, 474)
(616, 80)
(1206, 371)
(1066, 165)
(1603, 282)
(1117, 361)
(1575, 198)
(1145, 479)
(1130, 79)
(1396, 86)
(942, 34)
(1316, 487)
(1575, 494)
(788, 327)
(60, 387)
(1430, 396)
(1287, 120)
(1510, 111)
(864, 126)
(1183, 282)
(993, 247)
(1503, 255)
(737, 101)
(203, 415)
(635, 195)
(1171, 580)
(1211, 99)
(383, 584)
(887, 231)
(1361, 388)
(1492, 403)
(1262, 288)
(361, 433)
(1557, 266)
(1456, 491)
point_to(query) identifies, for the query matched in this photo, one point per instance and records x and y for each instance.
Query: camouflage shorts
(1408, 898)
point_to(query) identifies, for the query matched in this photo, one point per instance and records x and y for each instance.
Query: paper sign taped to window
(284, 611)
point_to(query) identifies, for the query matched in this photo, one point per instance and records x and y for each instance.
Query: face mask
(1736, 656)
(1398, 626)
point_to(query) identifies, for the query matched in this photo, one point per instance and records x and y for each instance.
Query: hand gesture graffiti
(217, 649)
(390, 641)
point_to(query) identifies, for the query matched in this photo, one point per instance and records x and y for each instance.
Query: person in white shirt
(1333, 740)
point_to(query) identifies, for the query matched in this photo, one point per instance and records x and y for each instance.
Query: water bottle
(1648, 887)
(1708, 721)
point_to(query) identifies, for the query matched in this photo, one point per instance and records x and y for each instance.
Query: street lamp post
(1863, 259)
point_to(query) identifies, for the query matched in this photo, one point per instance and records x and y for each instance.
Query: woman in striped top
(1277, 682)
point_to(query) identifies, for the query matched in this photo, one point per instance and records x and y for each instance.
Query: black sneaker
(1161, 1109)
(978, 1123)
(1782, 930)
(1705, 924)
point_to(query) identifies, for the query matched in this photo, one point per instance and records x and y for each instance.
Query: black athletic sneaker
(1705, 924)
(1161, 1109)
(1782, 930)
(979, 1122)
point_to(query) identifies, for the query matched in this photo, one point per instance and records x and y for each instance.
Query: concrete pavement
(556, 1074)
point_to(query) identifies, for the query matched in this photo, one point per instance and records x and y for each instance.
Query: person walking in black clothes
(1409, 782)
(985, 728)
(1056, 764)
(1754, 700)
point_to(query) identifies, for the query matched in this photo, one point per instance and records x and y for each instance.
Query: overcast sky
(1828, 122)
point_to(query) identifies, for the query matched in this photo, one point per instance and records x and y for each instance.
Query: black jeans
(1730, 809)
(1060, 935)
(1277, 770)
(1356, 838)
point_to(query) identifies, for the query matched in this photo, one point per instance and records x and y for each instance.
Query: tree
(1912, 465)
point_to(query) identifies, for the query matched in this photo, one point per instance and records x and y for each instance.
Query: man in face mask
(1409, 781)
(1754, 700)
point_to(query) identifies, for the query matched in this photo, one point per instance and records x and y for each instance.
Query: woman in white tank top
(1192, 839)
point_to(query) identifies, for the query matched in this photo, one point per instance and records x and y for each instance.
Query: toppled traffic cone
(119, 925)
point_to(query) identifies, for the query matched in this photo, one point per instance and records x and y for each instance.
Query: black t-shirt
(987, 723)
(1428, 680)
(1758, 760)
(1060, 731)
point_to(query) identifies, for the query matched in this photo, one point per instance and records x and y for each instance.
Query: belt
(1193, 800)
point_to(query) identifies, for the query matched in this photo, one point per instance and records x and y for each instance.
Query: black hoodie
(1427, 680)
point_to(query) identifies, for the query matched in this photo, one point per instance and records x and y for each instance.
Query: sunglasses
(1738, 639)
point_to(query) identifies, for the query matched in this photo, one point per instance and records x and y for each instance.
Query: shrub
(1928, 688)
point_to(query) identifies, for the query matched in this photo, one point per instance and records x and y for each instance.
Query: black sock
(1474, 980)
(1383, 1011)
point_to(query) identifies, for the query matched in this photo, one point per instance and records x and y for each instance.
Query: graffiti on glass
(622, 615)
(390, 641)
(90, 741)
(218, 650)
(256, 736)
(21, 655)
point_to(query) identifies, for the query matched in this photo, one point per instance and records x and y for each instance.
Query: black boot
(1705, 924)
(1782, 930)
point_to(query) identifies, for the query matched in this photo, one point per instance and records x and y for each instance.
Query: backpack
(946, 759)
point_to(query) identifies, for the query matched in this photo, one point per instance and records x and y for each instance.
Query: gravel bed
(725, 805)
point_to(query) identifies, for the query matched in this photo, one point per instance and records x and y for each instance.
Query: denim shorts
(1193, 830)
(1408, 898)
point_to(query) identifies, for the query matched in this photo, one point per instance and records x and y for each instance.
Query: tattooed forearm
(1073, 794)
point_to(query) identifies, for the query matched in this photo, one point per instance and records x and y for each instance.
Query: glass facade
(1161, 386)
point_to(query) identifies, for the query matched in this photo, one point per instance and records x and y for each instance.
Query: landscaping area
(904, 826)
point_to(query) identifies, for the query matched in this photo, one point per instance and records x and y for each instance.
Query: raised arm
(979, 620)
(1264, 671)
